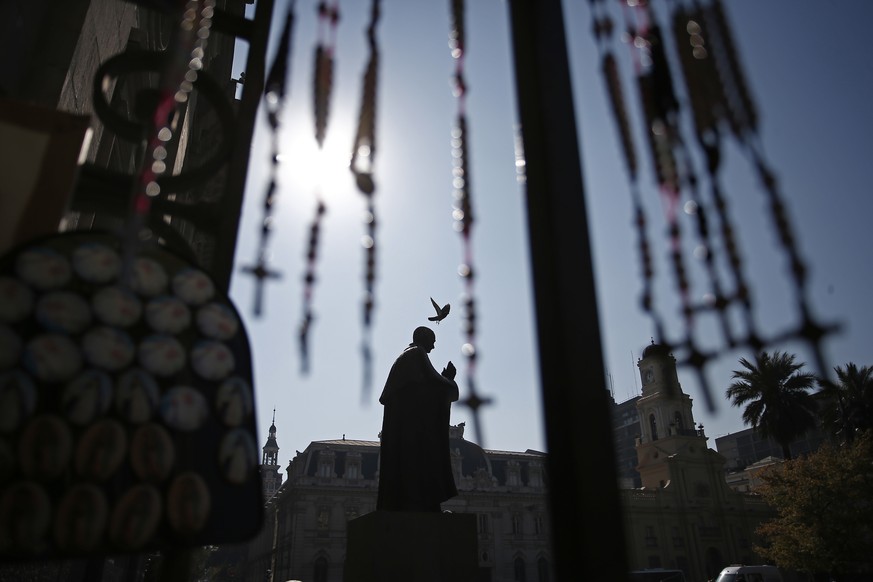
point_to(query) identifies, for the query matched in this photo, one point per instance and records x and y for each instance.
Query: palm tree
(775, 392)
(850, 409)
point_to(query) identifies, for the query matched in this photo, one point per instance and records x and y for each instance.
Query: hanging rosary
(177, 81)
(718, 96)
(706, 98)
(602, 28)
(463, 210)
(274, 99)
(719, 92)
(328, 18)
(362, 164)
(671, 163)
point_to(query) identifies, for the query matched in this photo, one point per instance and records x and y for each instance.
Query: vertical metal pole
(237, 167)
(587, 538)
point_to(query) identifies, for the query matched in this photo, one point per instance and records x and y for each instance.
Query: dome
(472, 456)
(656, 350)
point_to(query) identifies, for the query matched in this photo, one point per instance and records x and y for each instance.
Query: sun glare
(309, 168)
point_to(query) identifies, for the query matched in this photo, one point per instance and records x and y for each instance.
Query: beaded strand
(362, 163)
(177, 82)
(275, 89)
(463, 210)
(328, 18)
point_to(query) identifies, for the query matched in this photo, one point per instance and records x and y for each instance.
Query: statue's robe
(415, 469)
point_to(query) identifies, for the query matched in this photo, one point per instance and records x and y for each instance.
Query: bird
(441, 312)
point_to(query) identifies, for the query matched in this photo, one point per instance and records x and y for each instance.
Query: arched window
(519, 570)
(678, 421)
(543, 569)
(653, 427)
(320, 573)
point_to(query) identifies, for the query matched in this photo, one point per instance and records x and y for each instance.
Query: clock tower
(667, 429)
(270, 475)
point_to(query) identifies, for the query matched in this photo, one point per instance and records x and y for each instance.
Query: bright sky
(810, 72)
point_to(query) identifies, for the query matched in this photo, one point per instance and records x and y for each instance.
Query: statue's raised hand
(449, 371)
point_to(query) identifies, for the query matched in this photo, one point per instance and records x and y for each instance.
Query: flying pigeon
(441, 312)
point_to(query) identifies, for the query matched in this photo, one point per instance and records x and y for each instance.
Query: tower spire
(270, 462)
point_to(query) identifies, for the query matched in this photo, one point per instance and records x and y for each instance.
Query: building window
(352, 471)
(654, 561)
(538, 524)
(651, 539)
(543, 570)
(678, 420)
(516, 524)
(320, 570)
(513, 477)
(520, 575)
(324, 470)
(535, 477)
(323, 518)
(653, 427)
(483, 523)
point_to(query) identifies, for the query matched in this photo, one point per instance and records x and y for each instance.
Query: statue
(415, 472)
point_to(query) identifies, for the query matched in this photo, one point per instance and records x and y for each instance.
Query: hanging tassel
(323, 79)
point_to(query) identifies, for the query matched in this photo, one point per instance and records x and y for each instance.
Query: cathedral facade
(683, 516)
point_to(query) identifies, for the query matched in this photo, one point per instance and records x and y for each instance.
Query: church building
(684, 516)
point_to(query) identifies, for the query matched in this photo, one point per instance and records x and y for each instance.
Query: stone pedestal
(399, 546)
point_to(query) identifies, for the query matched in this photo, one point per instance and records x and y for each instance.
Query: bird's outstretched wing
(441, 312)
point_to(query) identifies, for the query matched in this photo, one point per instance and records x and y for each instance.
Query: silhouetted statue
(415, 471)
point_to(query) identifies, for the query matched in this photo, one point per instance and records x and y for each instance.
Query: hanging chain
(177, 82)
(463, 210)
(717, 95)
(328, 18)
(309, 285)
(362, 164)
(603, 28)
(706, 99)
(274, 99)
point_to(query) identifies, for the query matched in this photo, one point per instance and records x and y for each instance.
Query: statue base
(401, 546)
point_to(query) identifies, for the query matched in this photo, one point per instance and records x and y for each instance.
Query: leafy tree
(824, 505)
(850, 408)
(775, 392)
